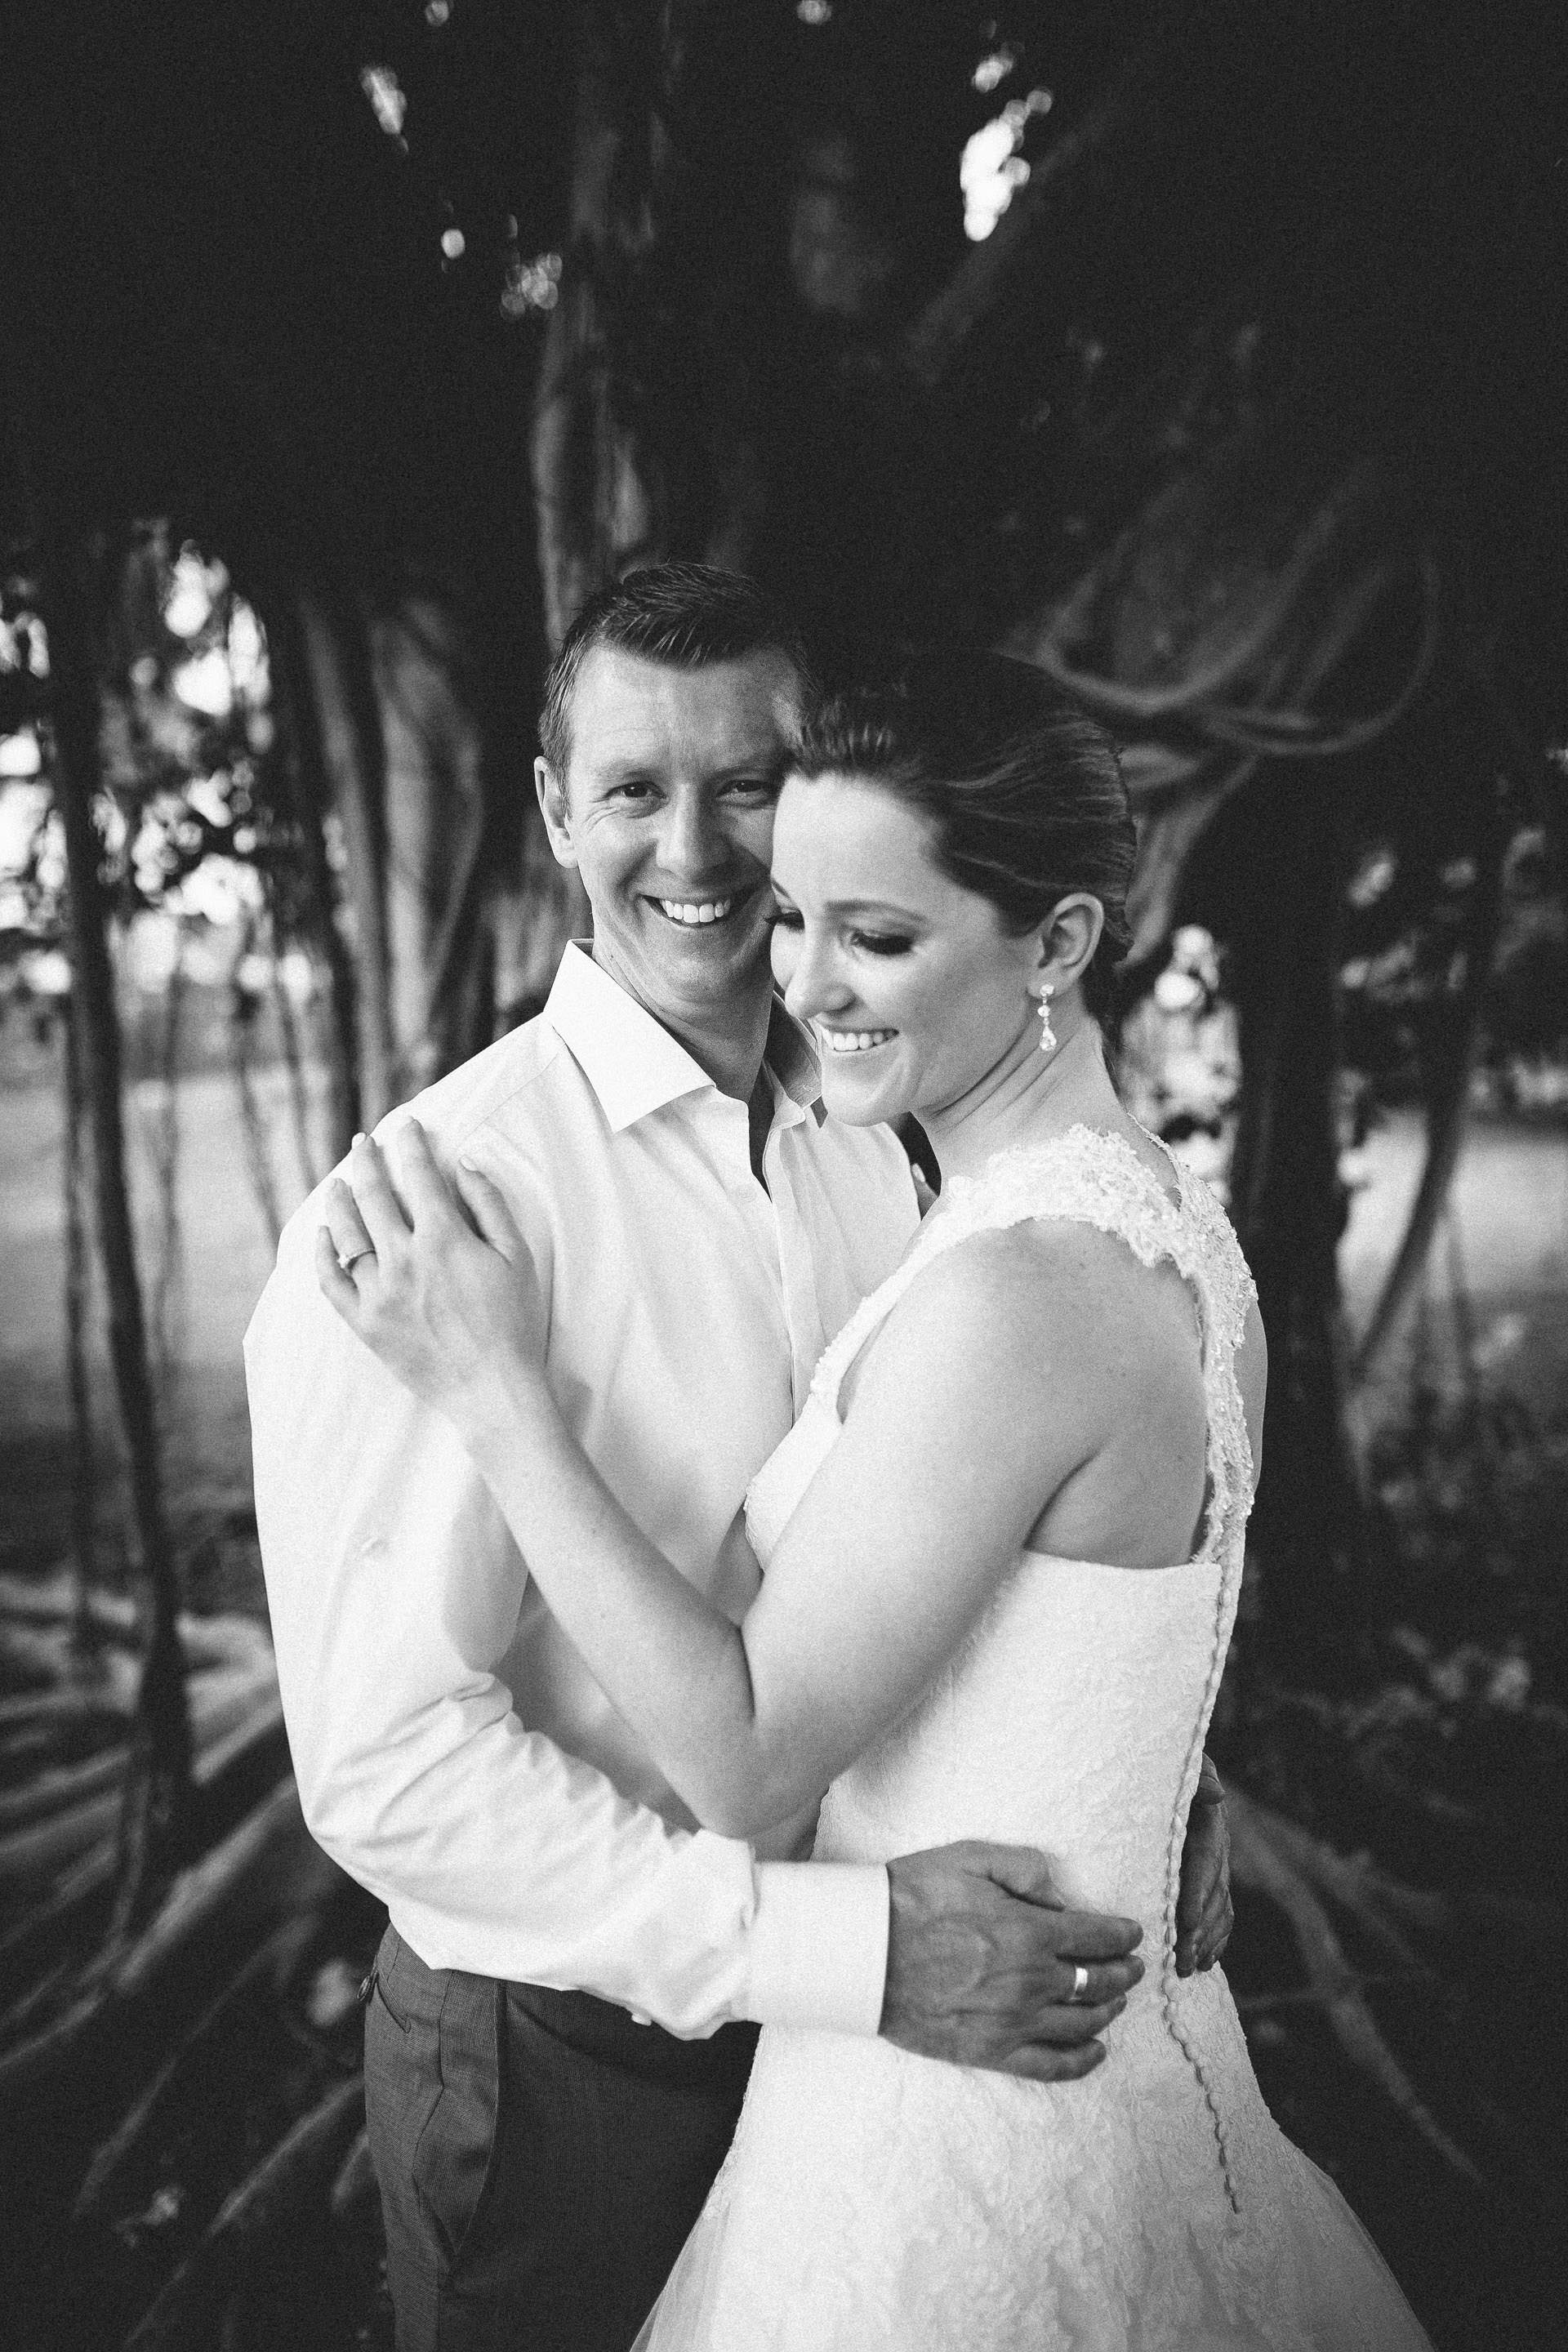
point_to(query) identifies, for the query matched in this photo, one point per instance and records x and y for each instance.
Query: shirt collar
(633, 1063)
(793, 1059)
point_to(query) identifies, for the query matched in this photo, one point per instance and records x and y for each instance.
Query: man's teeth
(857, 1041)
(705, 910)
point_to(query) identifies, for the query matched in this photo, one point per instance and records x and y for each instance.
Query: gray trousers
(540, 2157)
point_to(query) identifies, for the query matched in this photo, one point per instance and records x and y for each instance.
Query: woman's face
(914, 989)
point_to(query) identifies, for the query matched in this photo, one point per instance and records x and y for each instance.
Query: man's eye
(752, 788)
(882, 943)
(634, 789)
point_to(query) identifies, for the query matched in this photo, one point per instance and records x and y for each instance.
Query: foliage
(1449, 1754)
(1404, 942)
(186, 725)
(1179, 1065)
(202, 857)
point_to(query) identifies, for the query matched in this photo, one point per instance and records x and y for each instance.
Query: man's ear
(557, 817)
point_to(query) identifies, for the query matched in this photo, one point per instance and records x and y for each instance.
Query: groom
(563, 2012)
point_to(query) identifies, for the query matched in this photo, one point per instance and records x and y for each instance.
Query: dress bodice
(1073, 1717)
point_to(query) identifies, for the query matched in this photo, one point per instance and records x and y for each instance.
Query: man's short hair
(684, 615)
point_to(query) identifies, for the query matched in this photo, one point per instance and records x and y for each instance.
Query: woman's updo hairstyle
(1023, 793)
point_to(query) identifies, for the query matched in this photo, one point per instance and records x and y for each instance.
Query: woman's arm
(972, 1408)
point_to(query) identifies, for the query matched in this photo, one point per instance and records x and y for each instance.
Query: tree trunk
(168, 1278)
(293, 1059)
(1448, 1065)
(244, 1011)
(1287, 1204)
(646, 413)
(158, 1800)
(436, 833)
(84, 1482)
(312, 802)
(349, 730)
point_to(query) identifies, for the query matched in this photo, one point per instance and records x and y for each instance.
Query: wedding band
(1079, 1983)
(347, 1263)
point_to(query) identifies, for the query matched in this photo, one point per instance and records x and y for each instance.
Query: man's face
(667, 811)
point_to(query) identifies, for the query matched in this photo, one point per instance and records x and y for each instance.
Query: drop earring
(1047, 1034)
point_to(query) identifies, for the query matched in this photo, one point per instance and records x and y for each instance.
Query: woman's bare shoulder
(1050, 1306)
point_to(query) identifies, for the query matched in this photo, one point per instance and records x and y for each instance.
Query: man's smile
(694, 913)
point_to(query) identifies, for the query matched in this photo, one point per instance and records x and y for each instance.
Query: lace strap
(840, 1353)
(1076, 1175)
(1229, 1276)
(1096, 1178)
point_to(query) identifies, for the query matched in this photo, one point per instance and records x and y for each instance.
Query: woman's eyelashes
(880, 943)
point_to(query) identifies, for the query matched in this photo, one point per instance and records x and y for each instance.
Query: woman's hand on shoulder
(434, 1277)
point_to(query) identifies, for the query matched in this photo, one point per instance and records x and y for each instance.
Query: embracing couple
(710, 1595)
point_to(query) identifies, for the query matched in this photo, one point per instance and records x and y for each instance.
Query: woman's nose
(815, 986)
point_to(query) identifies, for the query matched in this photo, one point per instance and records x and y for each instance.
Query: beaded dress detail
(876, 2201)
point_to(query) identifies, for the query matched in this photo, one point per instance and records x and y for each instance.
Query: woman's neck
(1026, 1098)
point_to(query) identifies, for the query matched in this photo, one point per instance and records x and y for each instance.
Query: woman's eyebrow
(772, 765)
(872, 906)
(856, 906)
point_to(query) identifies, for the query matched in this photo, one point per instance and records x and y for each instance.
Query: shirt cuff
(818, 1946)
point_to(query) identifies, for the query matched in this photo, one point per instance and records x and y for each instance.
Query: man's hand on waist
(986, 1966)
(1204, 1914)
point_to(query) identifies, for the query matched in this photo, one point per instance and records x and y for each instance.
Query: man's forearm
(504, 1856)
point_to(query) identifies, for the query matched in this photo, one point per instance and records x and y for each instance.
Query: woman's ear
(1069, 936)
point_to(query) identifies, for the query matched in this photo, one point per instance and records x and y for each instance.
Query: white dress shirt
(453, 1752)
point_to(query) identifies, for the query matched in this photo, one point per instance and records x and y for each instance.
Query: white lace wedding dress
(875, 2201)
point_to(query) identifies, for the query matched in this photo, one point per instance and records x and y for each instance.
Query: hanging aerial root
(135, 2137)
(40, 1849)
(59, 1814)
(1256, 1861)
(249, 2231)
(65, 1693)
(56, 1929)
(260, 1868)
(58, 1788)
(355, 2189)
(1374, 1903)
(51, 1599)
(32, 1717)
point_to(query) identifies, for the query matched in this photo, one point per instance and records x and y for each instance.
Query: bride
(1001, 1552)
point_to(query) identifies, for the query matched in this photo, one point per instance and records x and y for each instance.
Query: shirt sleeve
(394, 1589)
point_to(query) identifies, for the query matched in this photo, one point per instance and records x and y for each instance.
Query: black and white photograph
(783, 1176)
